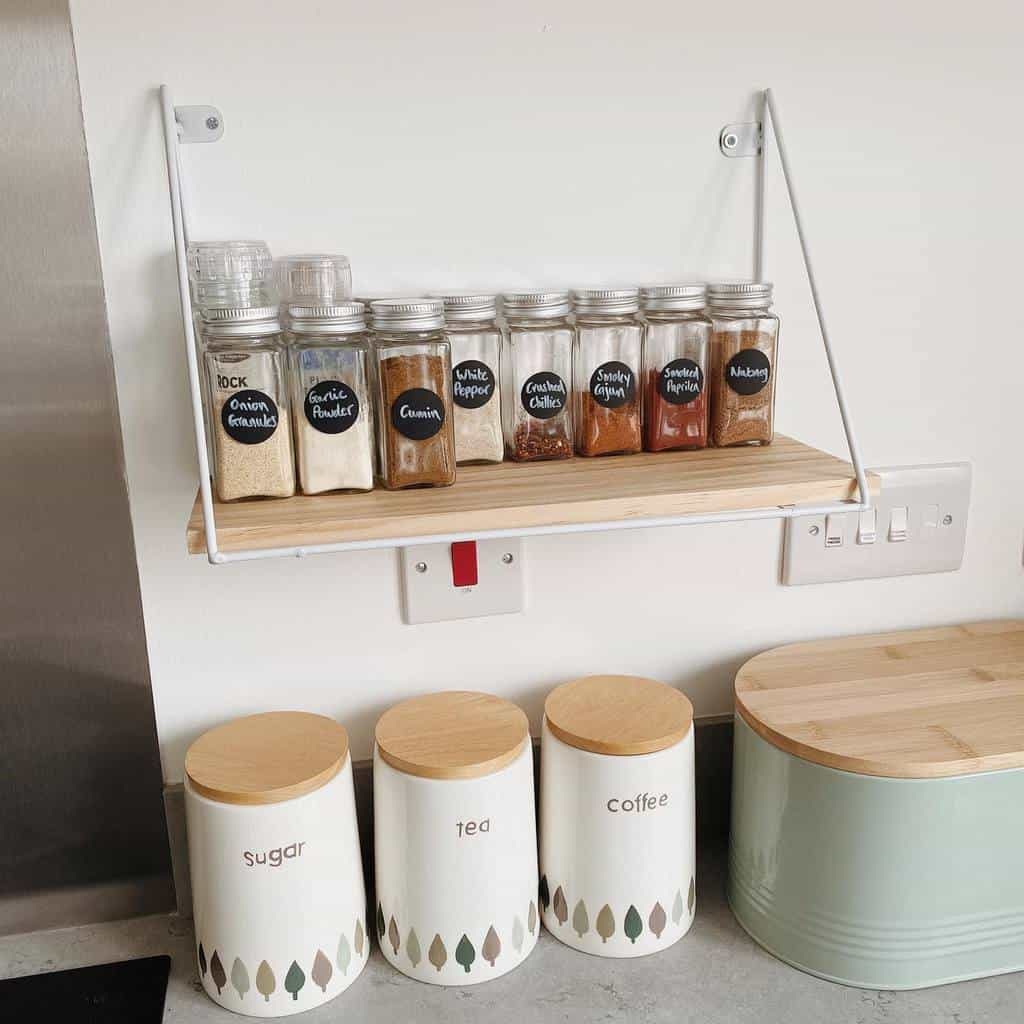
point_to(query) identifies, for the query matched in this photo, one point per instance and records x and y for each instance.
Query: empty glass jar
(677, 336)
(475, 339)
(744, 345)
(329, 349)
(537, 375)
(607, 369)
(416, 439)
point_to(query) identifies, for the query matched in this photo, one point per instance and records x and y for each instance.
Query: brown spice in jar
(408, 462)
(537, 439)
(737, 418)
(609, 431)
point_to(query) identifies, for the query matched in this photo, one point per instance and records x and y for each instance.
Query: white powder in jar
(478, 436)
(334, 461)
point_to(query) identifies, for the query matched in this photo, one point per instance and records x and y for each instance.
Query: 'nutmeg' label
(748, 371)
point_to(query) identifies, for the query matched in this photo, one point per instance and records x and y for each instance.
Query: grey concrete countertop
(714, 975)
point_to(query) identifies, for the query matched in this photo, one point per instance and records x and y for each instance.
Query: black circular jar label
(249, 417)
(613, 384)
(544, 395)
(472, 384)
(331, 406)
(681, 382)
(417, 414)
(748, 371)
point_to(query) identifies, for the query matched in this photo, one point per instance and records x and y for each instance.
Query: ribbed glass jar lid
(538, 305)
(674, 297)
(342, 318)
(470, 307)
(230, 274)
(613, 301)
(740, 295)
(407, 314)
(314, 279)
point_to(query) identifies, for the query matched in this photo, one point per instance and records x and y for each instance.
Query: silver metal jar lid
(470, 307)
(617, 301)
(224, 321)
(536, 305)
(340, 318)
(669, 298)
(740, 295)
(407, 314)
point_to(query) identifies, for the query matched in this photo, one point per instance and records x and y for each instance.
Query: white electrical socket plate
(936, 499)
(429, 595)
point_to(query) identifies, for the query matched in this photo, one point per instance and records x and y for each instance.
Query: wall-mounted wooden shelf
(549, 494)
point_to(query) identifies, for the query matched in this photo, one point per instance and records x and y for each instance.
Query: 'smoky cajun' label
(417, 414)
(613, 384)
(249, 417)
(331, 407)
(473, 384)
(748, 371)
(544, 395)
(681, 382)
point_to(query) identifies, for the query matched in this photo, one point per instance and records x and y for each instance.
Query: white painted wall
(569, 142)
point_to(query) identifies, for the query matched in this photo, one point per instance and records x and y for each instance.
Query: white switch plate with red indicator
(430, 573)
(918, 524)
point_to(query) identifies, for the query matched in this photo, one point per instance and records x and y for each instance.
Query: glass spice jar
(536, 375)
(744, 343)
(413, 372)
(329, 354)
(475, 338)
(247, 402)
(677, 337)
(606, 365)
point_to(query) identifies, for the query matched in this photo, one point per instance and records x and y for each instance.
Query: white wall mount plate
(918, 524)
(429, 593)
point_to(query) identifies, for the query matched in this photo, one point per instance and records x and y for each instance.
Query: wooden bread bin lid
(264, 759)
(924, 704)
(456, 734)
(619, 715)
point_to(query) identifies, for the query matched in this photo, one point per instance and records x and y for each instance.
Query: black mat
(132, 991)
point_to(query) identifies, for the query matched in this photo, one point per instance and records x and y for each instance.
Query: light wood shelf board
(513, 496)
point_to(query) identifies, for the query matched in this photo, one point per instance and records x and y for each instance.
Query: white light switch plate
(920, 526)
(429, 595)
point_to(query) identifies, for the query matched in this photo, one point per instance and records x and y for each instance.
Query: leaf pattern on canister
(240, 978)
(657, 920)
(518, 935)
(580, 920)
(412, 948)
(677, 908)
(393, 937)
(491, 949)
(559, 906)
(437, 954)
(265, 981)
(322, 970)
(294, 980)
(632, 925)
(465, 954)
(605, 923)
(344, 957)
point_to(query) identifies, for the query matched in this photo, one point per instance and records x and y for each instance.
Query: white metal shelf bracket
(189, 125)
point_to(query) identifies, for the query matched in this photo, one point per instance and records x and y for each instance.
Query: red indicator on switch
(464, 572)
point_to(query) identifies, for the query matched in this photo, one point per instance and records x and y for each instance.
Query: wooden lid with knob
(929, 703)
(619, 715)
(456, 734)
(268, 758)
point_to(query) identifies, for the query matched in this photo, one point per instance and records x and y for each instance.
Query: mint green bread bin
(878, 805)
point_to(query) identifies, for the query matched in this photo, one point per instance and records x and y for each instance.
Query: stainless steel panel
(80, 791)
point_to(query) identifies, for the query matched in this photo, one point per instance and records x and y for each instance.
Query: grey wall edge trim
(712, 752)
